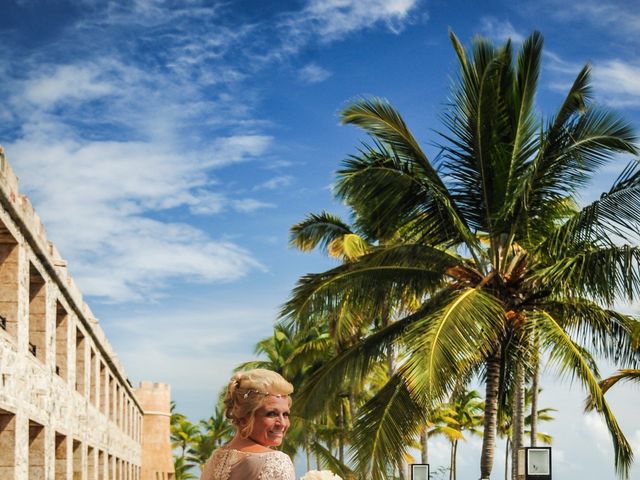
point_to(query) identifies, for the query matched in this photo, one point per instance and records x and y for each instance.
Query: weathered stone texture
(67, 409)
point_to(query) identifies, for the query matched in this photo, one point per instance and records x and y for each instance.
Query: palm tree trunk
(454, 467)
(352, 407)
(490, 414)
(424, 444)
(451, 462)
(517, 427)
(341, 433)
(506, 458)
(402, 468)
(535, 382)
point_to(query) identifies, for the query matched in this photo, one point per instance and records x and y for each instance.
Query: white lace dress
(229, 464)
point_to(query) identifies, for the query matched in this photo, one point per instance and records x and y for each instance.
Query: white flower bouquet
(320, 475)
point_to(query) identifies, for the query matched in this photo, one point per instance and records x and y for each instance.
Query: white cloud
(325, 21)
(237, 148)
(275, 183)
(618, 82)
(67, 82)
(248, 205)
(500, 30)
(97, 198)
(597, 430)
(117, 152)
(335, 18)
(619, 17)
(313, 73)
(180, 346)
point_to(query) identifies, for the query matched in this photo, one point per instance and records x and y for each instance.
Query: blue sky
(169, 145)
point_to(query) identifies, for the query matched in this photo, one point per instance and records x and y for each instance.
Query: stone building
(67, 408)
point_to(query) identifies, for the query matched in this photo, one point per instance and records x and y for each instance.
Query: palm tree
(505, 424)
(213, 432)
(468, 415)
(183, 436)
(490, 238)
(182, 469)
(347, 325)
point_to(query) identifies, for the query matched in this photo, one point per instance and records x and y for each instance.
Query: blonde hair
(248, 391)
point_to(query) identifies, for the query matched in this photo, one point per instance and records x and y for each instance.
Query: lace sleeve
(278, 467)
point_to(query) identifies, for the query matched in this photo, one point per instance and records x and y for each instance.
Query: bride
(257, 402)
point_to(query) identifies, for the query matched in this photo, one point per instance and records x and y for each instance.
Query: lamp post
(534, 463)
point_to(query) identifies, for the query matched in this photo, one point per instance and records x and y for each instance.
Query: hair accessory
(249, 391)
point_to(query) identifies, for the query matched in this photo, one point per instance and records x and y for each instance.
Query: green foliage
(195, 442)
(480, 254)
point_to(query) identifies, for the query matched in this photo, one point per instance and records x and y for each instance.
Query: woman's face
(271, 422)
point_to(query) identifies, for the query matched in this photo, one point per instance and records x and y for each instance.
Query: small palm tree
(183, 436)
(213, 432)
(183, 469)
(467, 409)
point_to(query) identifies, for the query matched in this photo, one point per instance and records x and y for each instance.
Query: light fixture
(419, 471)
(534, 463)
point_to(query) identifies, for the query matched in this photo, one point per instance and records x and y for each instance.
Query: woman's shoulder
(278, 466)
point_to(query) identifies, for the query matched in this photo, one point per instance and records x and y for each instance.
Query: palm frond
(609, 334)
(358, 361)
(391, 271)
(602, 274)
(622, 375)
(391, 419)
(396, 159)
(614, 214)
(328, 460)
(317, 230)
(570, 357)
(447, 345)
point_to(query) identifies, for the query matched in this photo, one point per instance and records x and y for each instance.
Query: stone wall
(67, 409)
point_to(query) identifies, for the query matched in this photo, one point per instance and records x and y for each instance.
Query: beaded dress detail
(229, 464)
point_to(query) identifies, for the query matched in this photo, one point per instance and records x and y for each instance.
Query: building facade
(67, 408)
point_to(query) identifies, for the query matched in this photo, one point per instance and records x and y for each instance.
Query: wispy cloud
(616, 82)
(248, 205)
(97, 208)
(275, 183)
(181, 348)
(332, 19)
(619, 17)
(599, 433)
(118, 146)
(313, 73)
(500, 30)
(67, 83)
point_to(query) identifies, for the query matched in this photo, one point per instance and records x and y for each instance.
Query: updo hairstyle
(248, 391)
